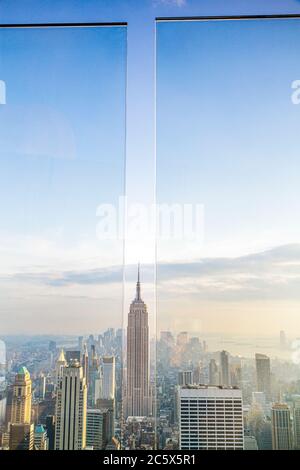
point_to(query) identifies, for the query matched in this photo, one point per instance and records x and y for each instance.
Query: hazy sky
(226, 138)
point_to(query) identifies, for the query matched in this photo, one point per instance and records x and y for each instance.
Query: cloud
(270, 274)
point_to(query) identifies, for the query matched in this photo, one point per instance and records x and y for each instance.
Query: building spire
(138, 285)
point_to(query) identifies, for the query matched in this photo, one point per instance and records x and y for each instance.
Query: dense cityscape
(174, 393)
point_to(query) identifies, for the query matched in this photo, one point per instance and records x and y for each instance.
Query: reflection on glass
(228, 297)
(62, 152)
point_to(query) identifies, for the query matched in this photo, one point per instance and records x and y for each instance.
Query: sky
(226, 129)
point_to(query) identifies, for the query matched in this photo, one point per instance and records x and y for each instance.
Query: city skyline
(126, 324)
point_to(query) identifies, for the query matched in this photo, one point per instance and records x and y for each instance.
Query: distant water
(247, 346)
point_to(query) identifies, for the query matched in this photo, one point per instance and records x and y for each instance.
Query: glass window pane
(228, 159)
(62, 155)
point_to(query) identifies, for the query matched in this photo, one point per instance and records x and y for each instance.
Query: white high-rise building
(210, 417)
(71, 407)
(108, 377)
(282, 437)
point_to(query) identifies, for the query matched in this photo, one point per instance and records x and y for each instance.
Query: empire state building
(137, 389)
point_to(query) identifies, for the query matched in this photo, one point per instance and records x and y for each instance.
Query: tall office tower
(213, 373)
(236, 374)
(95, 428)
(21, 398)
(21, 436)
(263, 374)
(225, 373)
(41, 387)
(185, 377)
(108, 406)
(85, 361)
(94, 374)
(108, 377)
(259, 399)
(210, 418)
(80, 343)
(137, 385)
(20, 429)
(296, 422)
(264, 436)
(90, 342)
(98, 385)
(198, 375)
(282, 437)
(3, 385)
(71, 405)
(52, 346)
(50, 428)
(40, 438)
(167, 338)
(182, 338)
(61, 363)
(3, 401)
(72, 355)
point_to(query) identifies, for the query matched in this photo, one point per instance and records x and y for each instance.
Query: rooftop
(23, 370)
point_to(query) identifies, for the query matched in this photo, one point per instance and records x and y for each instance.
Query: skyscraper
(107, 406)
(137, 384)
(210, 418)
(225, 373)
(108, 377)
(21, 436)
(282, 438)
(95, 429)
(263, 374)
(259, 399)
(21, 430)
(71, 406)
(21, 399)
(40, 437)
(185, 377)
(213, 373)
(50, 427)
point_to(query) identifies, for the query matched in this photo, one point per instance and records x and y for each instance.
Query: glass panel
(62, 154)
(228, 157)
